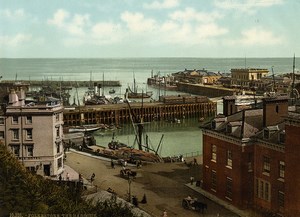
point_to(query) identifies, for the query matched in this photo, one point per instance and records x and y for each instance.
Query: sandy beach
(162, 183)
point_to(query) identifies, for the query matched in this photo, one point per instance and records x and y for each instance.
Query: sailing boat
(135, 94)
(81, 127)
(144, 151)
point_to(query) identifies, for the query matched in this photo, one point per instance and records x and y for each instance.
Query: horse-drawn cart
(193, 204)
(126, 173)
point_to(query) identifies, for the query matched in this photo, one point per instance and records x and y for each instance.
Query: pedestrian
(112, 164)
(68, 177)
(60, 178)
(80, 177)
(192, 180)
(92, 178)
(165, 214)
(195, 161)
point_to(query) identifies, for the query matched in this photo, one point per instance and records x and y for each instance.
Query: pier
(151, 111)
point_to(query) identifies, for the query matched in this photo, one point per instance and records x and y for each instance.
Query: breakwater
(40, 83)
(121, 113)
(210, 91)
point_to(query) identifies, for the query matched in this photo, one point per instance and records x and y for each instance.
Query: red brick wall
(242, 181)
(292, 171)
(273, 177)
(273, 116)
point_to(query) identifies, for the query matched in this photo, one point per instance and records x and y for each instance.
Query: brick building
(250, 158)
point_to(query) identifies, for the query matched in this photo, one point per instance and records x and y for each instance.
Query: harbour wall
(120, 113)
(205, 90)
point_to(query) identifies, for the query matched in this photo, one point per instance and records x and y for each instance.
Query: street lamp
(129, 188)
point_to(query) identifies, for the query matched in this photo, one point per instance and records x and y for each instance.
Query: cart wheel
(185, 204)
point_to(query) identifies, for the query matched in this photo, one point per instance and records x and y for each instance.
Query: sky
(149, 28)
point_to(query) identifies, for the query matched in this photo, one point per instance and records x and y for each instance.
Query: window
(15, 119)
(29, 134)
(266, 134)
(213, 124)
(281, 199)
(1, 120)
(57, 117)
(59, 162)
(214, 153)
(263, 189)
(15, 134)
(267, 191)
(281, 169)
(57, 131)
(15, 150)
(29, 150)
(29, 120)
(1, 134)
(213, 180)
(282, 137)
(266, 164)
(229, 188)
(58, 147)
(250, 157)
(229, 158)
(229, 128)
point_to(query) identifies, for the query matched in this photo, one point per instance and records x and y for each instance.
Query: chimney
(22, 96)
(229, 107)
(13, 98)
(99, 89)
(275, 107)
(95, 88)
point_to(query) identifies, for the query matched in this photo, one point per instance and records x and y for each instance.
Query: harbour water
(174, 138)
(179, 138)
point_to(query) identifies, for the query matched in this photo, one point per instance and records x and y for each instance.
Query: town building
(195, 76)
(33, 132)
(250, 157)
(244, 77)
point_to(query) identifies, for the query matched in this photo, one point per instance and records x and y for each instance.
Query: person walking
(192, 180)
(165, 214)
(112, 164)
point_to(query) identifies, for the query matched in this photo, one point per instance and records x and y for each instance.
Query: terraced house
(250, 157)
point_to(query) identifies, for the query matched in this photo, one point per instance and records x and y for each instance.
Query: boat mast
(293, 83)
(103, 84)
(273, 77)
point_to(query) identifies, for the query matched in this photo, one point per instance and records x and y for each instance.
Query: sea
(169, 139)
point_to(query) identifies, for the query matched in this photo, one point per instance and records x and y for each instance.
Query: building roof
(244, 124)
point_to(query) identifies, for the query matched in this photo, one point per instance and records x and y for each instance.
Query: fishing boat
(134, 94)
(111, 91)
(83, 129)
(115, 144)
(162, 82)
(143, 152)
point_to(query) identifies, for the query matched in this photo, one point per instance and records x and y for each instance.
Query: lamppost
(129, 188)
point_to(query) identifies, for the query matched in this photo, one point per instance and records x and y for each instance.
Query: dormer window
(229, 129)
(282, 137)
(266, 134)
(269, 131)
(213, 124)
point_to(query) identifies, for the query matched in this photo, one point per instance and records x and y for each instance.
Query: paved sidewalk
(241, 213)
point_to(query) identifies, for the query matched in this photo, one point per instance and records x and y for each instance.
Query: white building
(33, 132)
